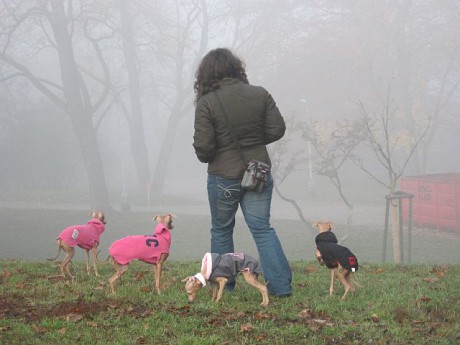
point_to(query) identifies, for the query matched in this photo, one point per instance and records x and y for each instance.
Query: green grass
(393, 304)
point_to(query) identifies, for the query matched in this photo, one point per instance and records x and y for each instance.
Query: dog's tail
(103, 261)
(57, 255)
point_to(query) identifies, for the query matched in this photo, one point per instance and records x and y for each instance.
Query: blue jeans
(225, 196)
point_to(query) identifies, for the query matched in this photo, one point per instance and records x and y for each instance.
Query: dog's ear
(101, 217)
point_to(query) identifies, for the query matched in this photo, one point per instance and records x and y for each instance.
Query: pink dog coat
(146, 248)
(84, 236)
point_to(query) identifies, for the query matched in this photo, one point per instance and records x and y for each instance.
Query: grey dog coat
(333, 253)
(228, 265)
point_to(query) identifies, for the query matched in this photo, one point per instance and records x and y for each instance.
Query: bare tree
(286, 157)
(73, 97)
(183, 59)
(334, 143)
(393, 147)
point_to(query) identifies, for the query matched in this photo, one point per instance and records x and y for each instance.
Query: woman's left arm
(274, 125)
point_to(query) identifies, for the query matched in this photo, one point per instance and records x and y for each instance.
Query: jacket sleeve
(204, 138)
(274, 125)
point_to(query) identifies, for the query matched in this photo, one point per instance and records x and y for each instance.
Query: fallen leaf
(314, 327)
(310, 269)
(91, 324)
(440, 274)
(141, 340)
(431, 279)
(146, 313)
(62, 330)
(6, 274)
(305, 313)
(247, 327)
(262, 316)
(139, 276)
(101, 286)
(39, 329)
(261, 337)
(425, 299)
(2, 329)
(146, 289)
(74, 317)
(320, 321)
(441, 268)
(375, 318)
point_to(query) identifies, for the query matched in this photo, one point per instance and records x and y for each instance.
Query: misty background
(97, 102)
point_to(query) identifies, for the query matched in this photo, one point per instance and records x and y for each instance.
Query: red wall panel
(436, 201)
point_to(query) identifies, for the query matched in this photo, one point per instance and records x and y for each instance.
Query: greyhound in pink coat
(86, 237)
(152, 249)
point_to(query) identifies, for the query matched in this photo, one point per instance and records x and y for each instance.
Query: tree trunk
(165, 152)
(138, 146)
(81, 117)
(396, 231)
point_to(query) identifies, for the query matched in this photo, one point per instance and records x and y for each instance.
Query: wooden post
(398, 196)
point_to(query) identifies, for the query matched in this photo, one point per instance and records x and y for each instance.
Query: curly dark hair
(216, 65)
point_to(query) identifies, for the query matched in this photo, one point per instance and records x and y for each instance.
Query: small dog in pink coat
(152, 249)
(86, 237)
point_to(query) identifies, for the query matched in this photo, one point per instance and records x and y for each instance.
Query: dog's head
(165, 219)
(323, 226)
(98, 215)
(193, 284)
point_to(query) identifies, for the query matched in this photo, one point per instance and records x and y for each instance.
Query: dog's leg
(221, 281)
(120, 270)
(215, 287)
(96, 272)
(331, 288)
(342, 273)
(251, 279)
(159, 271)
(349, 278)
(88, 271)
(70, 252)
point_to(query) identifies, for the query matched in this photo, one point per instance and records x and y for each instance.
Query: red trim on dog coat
(146, 248)
(84, 236)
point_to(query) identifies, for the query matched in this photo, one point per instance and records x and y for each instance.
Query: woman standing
(221, 82)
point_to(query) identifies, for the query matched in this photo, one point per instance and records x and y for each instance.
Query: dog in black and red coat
(340, 260)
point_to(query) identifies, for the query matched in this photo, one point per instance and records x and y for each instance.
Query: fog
(97, 101)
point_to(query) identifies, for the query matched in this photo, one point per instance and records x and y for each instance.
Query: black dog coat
(332, 253)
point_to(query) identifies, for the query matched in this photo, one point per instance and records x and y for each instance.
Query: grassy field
(393, 304)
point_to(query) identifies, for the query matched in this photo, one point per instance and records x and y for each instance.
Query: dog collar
(200, 277)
